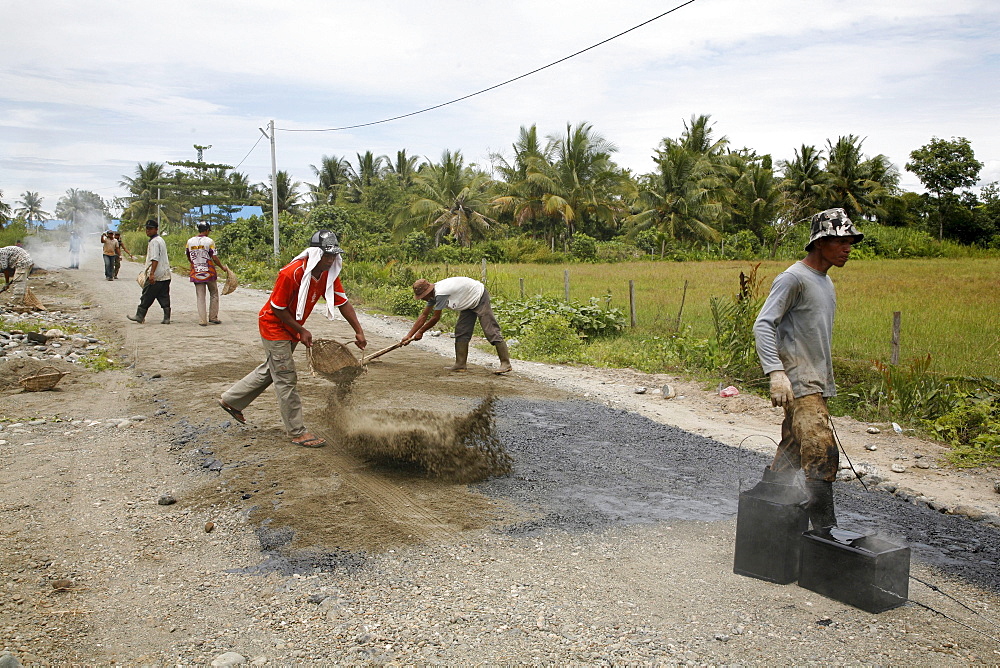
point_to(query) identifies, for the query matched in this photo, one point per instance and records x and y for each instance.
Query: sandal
(307, 441)
(237, 415)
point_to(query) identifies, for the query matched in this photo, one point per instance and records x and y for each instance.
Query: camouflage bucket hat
(832, 223)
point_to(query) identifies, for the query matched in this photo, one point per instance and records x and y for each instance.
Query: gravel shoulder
(288, 556)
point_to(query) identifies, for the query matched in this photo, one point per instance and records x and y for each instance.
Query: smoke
(51, 249)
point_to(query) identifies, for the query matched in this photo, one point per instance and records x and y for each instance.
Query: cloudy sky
(90, 89)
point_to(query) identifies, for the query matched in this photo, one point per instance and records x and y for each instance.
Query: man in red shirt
(314, 273)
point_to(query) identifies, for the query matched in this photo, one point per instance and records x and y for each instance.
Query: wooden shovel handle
(379, 353)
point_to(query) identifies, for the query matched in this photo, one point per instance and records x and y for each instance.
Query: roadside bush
(973, 430)
(583, 247)
(586, 320)
(551, 339)
(402, 302)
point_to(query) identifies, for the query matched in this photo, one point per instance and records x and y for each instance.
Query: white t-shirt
(157, 250)
(457, 293)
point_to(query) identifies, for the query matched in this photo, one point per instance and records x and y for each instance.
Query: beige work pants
(278, 369)
(212, 288)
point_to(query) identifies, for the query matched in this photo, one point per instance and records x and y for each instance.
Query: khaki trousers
(212, 287)
(278, 369)
(807, 440)
(482, 311)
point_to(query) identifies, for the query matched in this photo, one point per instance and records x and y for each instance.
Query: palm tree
(334, 175)
(849, 186)
(756, 198)
(77, 204)
(587, 183)
(149, 193)
(404, 168)
(678, 199)
(289, 197)
(526, 185)
(31, 208)
(448, 198)
(370, 168)
(804, 180)
(4, 211)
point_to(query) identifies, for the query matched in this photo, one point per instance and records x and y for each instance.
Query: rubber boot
(166, 317)
(140, 315)
(779, 477)
(503, 352)
(820, 506)
(461, 356)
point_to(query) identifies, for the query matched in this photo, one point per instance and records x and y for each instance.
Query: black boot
(820, 506)
(140, 315)
(166, 317)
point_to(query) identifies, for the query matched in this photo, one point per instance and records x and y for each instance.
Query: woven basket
(231, 282)
(31, 301)
(43, 380)
(328, 356)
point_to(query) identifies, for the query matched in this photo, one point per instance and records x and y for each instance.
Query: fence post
(897, 325)
(484, 271)
(677, 327)
(566, 283)
(631, 301)
(446, 272)
(521, 282)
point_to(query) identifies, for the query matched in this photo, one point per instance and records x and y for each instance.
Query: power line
(248, 154)
(495, 86)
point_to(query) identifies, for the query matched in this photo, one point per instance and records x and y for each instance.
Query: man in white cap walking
(793, 334)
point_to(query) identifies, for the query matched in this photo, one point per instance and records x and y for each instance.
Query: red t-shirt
(285, 295)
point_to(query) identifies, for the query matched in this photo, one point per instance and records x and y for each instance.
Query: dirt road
(611, 541)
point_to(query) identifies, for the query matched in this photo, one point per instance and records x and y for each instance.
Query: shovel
(369, 358)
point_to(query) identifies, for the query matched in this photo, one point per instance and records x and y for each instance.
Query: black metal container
(769, 526)
(867, 572)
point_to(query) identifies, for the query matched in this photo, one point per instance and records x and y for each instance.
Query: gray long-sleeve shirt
(795, 328)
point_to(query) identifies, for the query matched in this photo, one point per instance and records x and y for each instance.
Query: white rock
(896, 428)
(640, 390)
(898, 468)
(229, 659)
(874, 430)
(871, 447)
(669, 392)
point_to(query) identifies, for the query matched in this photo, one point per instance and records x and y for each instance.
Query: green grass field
(950, 307)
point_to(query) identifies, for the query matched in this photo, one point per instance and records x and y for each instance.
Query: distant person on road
(793, 334)
(75, 244)
(314, 273)
(471, 299)
(118, 254)
(158, 285)
(16, 266)
(110, 252)
(203, 258)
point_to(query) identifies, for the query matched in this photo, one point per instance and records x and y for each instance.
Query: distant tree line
(565, 188)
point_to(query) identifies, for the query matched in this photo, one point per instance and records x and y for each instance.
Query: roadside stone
(874, 430)
(845, 475)
(996, 486)
(669, 392)
(974, 514)
(640, 390)
(228, 659)
(8, 660)
(898, 468)
(923, 464)
(871, 447)
(166, 500)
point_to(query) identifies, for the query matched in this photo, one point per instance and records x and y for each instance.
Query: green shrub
(583, 247)
(587, 320)
(973, 430)
(551, 339)
(402, 302)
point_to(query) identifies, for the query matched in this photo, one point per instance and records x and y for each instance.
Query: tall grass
(950, 307)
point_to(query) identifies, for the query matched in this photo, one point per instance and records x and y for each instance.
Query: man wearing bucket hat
(793, 333)
(314, 273)
(471, 299)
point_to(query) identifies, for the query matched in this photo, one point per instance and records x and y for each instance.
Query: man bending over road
(471, 299)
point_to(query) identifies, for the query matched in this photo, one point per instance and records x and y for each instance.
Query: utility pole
(274, 187)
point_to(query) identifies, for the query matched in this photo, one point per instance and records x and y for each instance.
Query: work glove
(781, 389)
